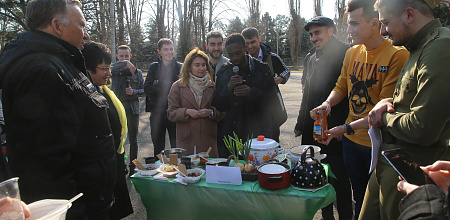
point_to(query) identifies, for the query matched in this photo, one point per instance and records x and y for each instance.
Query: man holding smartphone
(416, 119)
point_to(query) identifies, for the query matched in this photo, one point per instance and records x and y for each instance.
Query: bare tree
(102, 23)
(216, 10)
(254, 12)
(161, 6)
(120, 6)
(133, 17)
(295, 31)
(185, 27)
(340, 24)
(318, 7)
(14, 10)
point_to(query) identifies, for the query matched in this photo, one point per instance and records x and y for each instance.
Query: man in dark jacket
(322, 69)
(160, 77)
(242, 94)
(59, 137)
(128, 85)
(280, 73)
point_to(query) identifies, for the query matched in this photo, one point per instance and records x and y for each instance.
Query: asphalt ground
(292, 95)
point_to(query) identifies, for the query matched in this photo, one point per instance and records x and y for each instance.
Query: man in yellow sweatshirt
(369, 73)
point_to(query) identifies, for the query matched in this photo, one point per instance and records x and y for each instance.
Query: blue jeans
(357, 163)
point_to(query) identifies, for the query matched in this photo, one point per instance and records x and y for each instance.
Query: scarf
(198, 85)
(122, 117)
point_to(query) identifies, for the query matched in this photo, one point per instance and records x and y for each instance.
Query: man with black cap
(322, 68)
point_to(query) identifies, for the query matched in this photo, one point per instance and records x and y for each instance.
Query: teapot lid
(263, 143)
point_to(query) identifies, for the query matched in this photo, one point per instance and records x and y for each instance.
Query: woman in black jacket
(98, 64)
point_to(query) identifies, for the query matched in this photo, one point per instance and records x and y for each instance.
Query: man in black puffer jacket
(59, 137)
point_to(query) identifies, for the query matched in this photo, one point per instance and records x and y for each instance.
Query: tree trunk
(120, 20)
(295, 32)
(253, 8)
(102, 22)
(160, 15)
(318, 7)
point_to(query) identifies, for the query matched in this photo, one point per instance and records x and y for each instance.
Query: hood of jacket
(35, 41)
(266, 50)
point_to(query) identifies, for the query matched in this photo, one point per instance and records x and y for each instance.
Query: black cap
(319, 21)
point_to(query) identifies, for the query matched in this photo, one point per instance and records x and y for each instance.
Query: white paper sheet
(375, 137)
(180, 180)
(223, 175)
(160, 177)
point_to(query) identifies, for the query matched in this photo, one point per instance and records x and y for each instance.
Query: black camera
(120, 69)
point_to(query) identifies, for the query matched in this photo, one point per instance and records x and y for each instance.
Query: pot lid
(272, 169)
(263, 143)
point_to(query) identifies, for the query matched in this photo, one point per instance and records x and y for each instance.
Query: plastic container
(192, 179)
(39, 209)
(148, 172)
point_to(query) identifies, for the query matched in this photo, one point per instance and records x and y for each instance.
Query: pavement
(292, 95)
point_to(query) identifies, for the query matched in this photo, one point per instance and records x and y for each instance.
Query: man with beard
(322, 69)
(242, 86)
(59, 137)
(280, 73)
(214, 45)
(416, 119)
(369, 72)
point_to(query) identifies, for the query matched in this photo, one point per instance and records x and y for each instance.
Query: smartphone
(408, 170)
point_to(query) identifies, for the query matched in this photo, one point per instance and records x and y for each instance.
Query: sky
(306, 8)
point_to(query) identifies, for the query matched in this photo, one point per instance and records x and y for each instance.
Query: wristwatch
(349, 129)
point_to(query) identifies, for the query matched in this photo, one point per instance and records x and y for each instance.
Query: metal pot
(295, 153)
(263, 149)
(274, 175)
(178, 151)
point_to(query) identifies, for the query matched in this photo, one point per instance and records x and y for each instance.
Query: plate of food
(193, 176)
(150, 169)
(168, 170)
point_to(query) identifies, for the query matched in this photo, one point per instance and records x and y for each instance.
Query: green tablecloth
(171, 200)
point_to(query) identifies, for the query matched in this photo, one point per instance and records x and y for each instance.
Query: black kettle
(308, 172)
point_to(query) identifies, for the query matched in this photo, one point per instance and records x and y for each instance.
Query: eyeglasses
(105, 69)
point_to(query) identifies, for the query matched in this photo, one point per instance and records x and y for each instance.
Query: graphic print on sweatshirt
(359, 95)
